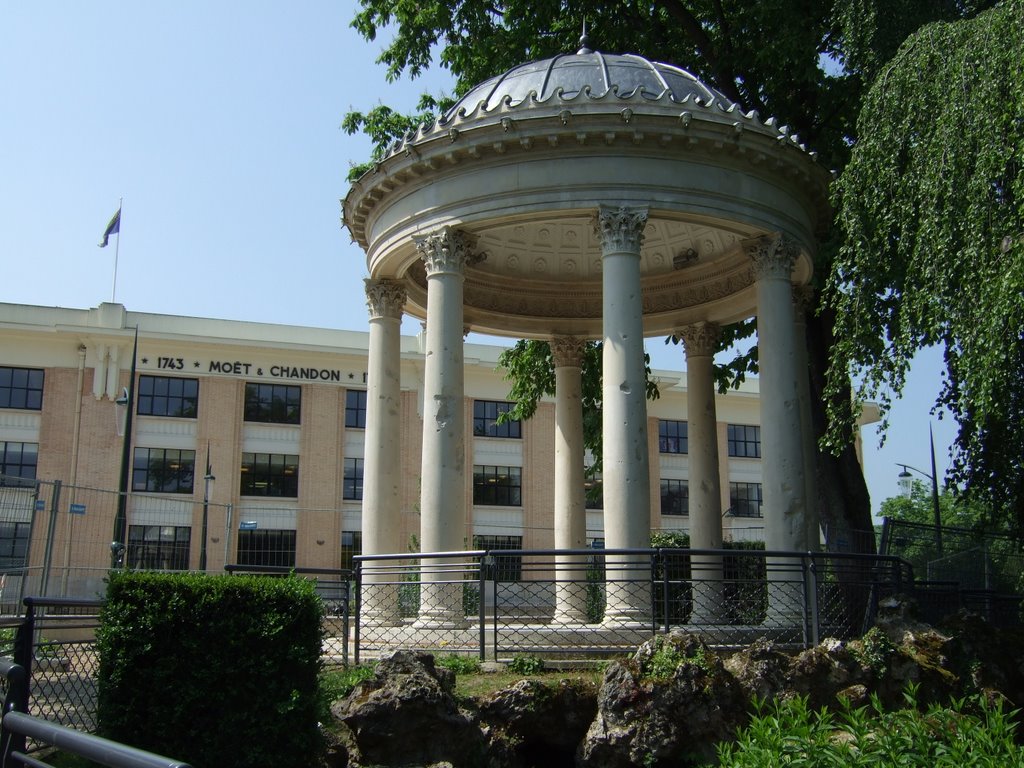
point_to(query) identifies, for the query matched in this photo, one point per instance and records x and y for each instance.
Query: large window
(498, 486)
(273, 403)
(485, 419)
(159, 547)
(745, 499)
(507, 567)
(267, 547)
(163, 470)
(351, 545)
(672, 436)
(353, 487)
(355, 409)
(14, 544)
(19, 459)
(21, 388)
(270, 474)
(744, 441)
(675, 497)
(168, 396)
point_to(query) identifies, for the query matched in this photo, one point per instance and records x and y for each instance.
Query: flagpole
(117, 251)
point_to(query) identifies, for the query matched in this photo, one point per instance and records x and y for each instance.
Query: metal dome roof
(591, 72)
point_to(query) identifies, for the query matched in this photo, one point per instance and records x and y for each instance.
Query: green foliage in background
(218, 671)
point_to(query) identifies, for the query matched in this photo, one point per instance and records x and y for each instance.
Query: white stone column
(626, 475)
(382, 476)
(570, 494)
(803, 302)
(705, 486)
(443, 471)
(782, 462)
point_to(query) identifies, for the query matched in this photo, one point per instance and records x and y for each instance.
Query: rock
(668, 705)
(405, 715)
(533, 724)
(819, 673)
(760, 670)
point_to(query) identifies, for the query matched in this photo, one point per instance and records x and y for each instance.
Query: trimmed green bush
(219, 671)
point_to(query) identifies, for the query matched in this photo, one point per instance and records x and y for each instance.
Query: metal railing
(588, 602)
(17, 728)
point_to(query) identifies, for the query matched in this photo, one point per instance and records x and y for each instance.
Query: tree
(931, 207)
(954, 511)
(772, 57)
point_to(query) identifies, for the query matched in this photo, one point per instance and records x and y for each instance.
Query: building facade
(255, 434)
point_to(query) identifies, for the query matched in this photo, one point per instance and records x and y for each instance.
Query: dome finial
(584, 40)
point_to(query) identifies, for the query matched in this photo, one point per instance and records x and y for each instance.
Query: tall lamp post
(207, 479)
(906, 483)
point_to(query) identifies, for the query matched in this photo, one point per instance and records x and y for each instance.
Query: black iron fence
(584, 602)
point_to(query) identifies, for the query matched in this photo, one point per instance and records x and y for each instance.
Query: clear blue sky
(218, 123)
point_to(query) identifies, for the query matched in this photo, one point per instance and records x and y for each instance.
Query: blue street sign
(40, 505)
(77, 509)
(247, 525)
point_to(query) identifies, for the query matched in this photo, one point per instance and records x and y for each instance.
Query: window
(21, 388)
(353, 488)
(498, 486)
(672, 436)
(267, 547)
(351, 545)
(595, 494)
(270, 474)
(159, 547)
(507, 567)
(355, 409)
(745, 499)
(744, 441)
(163, 470)
(485, 419)
(168, 396)
(19, 459)
(14, 544)
(675, 497)
(273, 403)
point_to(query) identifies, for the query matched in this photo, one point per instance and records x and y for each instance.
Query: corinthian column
(382, 450)
(443, 472)
(782, 465)
(570, 495)
(705, 488)
(627, 493)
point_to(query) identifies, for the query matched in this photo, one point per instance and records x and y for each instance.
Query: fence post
(811, 596)
(658, 556)
(481, 601)
(355, 599)
(344, 618)
(24, 643)
(44, 587)
(16, 701)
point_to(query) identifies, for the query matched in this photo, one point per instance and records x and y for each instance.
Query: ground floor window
(14, 544)
(745, 499)
(267, 547)
(159, 547)
(351, 545)
(508, 567)
(675, 497)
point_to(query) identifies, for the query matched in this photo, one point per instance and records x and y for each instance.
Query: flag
(113, 228)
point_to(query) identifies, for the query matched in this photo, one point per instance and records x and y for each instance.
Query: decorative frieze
(448, 251)
(773, 256)
(384, 298)
(620, 230)
(699, 339)
(567, 351)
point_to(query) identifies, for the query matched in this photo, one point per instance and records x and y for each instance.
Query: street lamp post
(207, 479)
(906, 483)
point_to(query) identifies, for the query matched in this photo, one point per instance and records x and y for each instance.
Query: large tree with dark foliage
(806, 62)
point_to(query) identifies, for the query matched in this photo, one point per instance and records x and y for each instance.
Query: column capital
(620, 229)
(384, 298)
(699, 339)
(446, 251)
(567, 351)
(773, 256)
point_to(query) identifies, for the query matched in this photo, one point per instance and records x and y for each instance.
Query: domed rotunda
(589, 196)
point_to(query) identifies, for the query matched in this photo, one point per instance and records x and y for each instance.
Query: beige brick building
(280, 411)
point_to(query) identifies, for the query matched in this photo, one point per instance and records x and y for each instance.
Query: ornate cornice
(773, 256)
(447, 251)
(384, 298)
(699, 339)
(567, 351)
(620, 229)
